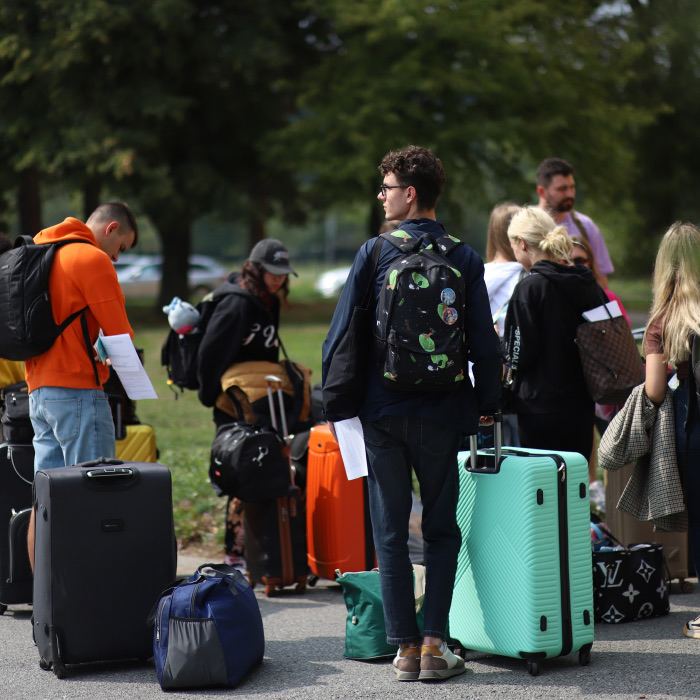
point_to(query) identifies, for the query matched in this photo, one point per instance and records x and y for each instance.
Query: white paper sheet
(351, 441)
(600, 314)
(122, 354)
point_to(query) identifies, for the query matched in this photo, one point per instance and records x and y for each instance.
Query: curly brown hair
(417, 167)
(252, 280)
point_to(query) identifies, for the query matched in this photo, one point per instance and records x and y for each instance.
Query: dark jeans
(688, 453)
(394, 445)
(568, 431)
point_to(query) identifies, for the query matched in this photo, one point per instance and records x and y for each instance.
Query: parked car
(331, 282)
(142, 279)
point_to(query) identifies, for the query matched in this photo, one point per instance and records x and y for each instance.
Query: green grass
(635, 292)
(184, 427)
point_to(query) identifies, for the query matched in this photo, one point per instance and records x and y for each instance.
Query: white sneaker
(439, 663)
(692, 628)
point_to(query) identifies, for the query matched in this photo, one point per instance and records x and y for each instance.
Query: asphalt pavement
(304, 659)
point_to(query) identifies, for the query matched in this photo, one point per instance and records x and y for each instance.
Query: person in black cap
(243, 327)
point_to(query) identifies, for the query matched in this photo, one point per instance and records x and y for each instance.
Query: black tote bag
(344, 388)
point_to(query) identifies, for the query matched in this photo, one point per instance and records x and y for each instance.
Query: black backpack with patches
(421, 316)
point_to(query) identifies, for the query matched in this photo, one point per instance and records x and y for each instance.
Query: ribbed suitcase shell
(509, 598)
(338, 529)
(105, 550)
(139, 444)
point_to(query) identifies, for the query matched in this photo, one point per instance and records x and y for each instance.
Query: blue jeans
(70, 426)
(688, 454)
(394, 445)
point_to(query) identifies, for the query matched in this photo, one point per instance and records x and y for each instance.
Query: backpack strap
(407, 243)
(28, 240)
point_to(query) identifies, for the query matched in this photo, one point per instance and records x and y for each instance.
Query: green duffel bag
(365, 633)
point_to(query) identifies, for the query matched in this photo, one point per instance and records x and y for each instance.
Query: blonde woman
(501, 273)
(550, 396)
(674, 318)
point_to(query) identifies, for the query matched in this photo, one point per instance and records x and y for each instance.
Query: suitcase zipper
(158, 618)
(566, 630)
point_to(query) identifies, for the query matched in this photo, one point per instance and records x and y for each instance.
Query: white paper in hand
(351, 441)
(122, 354)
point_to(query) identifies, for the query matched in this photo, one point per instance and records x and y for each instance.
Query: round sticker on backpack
(448, 296)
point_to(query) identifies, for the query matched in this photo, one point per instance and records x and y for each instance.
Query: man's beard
(563, 206)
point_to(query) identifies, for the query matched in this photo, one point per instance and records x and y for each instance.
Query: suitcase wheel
(270, 590)
(313, 580)
(44, 665)
(3, 608)
(584, 655)
(533, 668)
(301, 585)
(59, 669)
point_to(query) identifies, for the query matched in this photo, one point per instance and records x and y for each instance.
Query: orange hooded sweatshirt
(81, 275)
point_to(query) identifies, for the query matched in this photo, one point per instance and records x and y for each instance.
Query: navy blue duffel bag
(207, 630)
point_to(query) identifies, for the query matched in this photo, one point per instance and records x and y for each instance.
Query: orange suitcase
(338, 528)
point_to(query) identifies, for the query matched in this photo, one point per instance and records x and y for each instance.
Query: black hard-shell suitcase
(16, 472)
(275, 530)
(105, 549)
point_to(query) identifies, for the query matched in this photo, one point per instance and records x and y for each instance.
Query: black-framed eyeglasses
(383, 188)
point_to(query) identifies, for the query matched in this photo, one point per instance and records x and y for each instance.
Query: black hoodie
(540, 329)
(240, 329)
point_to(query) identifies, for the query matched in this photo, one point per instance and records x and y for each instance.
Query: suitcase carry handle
(486, 464)
(102, 461)
(274, 381)
(110, 473)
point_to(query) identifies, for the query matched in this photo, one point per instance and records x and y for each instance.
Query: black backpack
(247, 461)
(420, 316)
(25, 305)
(179, 352)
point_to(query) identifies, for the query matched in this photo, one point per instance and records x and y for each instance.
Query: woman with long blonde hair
(550, 397)
(668, 339)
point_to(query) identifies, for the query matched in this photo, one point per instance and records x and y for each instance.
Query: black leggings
(568, 431)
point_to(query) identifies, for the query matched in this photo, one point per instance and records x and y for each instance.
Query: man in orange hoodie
(69, 410)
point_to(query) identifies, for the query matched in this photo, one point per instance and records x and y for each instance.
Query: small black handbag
(630, 583)
(16, 425)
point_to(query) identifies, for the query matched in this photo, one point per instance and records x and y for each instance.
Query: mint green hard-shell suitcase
(524, 586)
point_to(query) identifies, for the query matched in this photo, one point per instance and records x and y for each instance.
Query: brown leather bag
(243, 384)
(611, 362)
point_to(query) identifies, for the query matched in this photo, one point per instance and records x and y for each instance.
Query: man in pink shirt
(556, 191)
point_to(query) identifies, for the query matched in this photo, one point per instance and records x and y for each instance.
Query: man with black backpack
(429, 313)
(68, 408)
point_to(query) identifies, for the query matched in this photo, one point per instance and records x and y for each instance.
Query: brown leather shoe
(407, 664)
(438, 663)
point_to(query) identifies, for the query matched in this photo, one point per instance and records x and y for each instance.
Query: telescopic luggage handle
(489, 464)
(274, 380)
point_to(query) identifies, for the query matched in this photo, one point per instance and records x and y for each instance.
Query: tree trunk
(29, 202)
(91, 195)
(174, 229)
